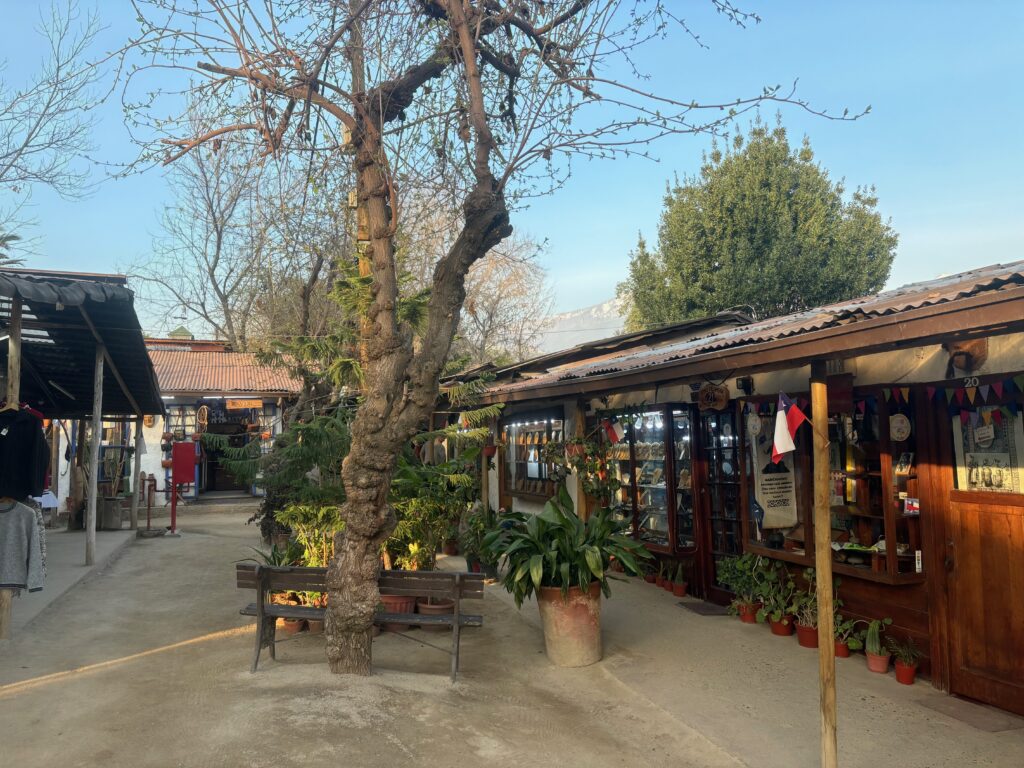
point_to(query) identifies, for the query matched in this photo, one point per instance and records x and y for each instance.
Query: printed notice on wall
(989, 457)
(774, 484)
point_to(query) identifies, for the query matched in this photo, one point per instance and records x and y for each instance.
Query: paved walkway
(145, 664)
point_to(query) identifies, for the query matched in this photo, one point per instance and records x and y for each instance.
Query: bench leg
(259, 644)
(271, 639)
(266, 635)
(455, 646)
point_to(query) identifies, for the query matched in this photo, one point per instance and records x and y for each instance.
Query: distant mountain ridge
(598, 321)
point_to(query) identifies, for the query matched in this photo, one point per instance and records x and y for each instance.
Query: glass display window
(651, 481)
(720, 445)
(682, 473)
(527, 473)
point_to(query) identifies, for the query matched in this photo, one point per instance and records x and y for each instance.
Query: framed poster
(774, 484)
(989, 456)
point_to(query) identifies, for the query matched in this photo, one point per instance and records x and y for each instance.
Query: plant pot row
(677, 588)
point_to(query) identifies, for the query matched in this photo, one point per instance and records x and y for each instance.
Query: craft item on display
(984, 436)
(712, 397)
(911, 507)
(905, 463)
(899, 428)
(24, 454)
(21, 554)
(753, 424)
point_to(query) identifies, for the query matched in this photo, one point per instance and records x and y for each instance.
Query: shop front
(925, 449)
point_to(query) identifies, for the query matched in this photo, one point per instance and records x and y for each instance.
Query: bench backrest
(433, 584)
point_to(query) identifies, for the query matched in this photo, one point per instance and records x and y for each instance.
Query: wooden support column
(136, 485)
(823, 565)
(94, 457)
(13, 396)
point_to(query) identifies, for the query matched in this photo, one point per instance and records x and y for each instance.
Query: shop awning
(64, 317)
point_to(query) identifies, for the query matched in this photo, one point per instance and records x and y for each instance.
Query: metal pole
(137, 485)
(94, 457)
(823, 565)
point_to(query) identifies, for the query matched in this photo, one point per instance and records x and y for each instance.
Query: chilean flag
(788, 419)
(614, 430)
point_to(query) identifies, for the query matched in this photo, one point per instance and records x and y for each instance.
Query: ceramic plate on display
(727, 468)
(753, 424)
(899, 427)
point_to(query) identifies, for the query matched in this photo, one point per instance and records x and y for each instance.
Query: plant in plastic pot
(878, 657)
(744, 575)
(846, 637)
(778, 595)
(565, 562)
(679, 583)
(908, 656)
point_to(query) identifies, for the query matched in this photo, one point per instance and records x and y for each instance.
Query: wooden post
(136, 471)
(94, 458)
(823, 565)
(13, 398)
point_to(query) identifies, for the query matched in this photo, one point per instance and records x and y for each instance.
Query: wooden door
(986, 598)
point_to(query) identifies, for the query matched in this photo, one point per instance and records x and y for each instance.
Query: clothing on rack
(21, 556)
(24, 455)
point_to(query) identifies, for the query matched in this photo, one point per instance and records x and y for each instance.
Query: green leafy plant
(589, 460)
(778, 594)
(744, 575)
(475, 526)
(314, 526)
(279, 556)
(680, 577)
(662, 568)
(872, 636)
(845, 631)
(557, 549)
(905, 652)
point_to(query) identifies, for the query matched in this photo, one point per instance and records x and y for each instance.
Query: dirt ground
(155, 703)
(146, 664)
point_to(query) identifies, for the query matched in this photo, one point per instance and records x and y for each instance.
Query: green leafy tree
(762, 227)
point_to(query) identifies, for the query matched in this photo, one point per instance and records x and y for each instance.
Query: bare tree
(45, 124)
(480, 101)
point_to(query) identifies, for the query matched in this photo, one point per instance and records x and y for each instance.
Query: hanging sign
(753, 424)
(241, 405)
(899, 428)
(712, 397)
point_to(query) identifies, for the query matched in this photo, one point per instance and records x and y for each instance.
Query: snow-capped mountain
(567, 329)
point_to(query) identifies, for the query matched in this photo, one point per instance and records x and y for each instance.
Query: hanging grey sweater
(21, 558)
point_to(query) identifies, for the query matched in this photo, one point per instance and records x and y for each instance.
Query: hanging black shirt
(24, 455)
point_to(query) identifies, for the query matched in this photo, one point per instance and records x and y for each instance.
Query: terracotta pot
(450, 547)
(650, 578)
(679, 588)
(783, 627)
(905, 673)
(748, 612)
(659, 581)
(842, 650)
(265, 435)
(315, 627)
(490, 450)
(476, 567)
(291, 626)
(280, 540)
(166, 463)
(878, 662)
(667, 585)
(398, 604)
(807, 636)
(439, 608)
(572, 625)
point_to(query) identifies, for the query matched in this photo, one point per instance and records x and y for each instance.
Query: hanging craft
(753, 424)
(899, 428)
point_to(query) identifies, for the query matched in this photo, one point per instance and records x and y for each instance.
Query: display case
(649, 470)
(721, 454)
(527, 472)
(682, 473)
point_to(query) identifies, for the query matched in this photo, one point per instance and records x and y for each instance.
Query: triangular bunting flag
(949, 396)
(997, 387)
(861, 406)
(975, 418)
(931, 393)
(1008, 385)
(905, 391)
(997, 414)
(1018, 381)
(960, 395)
(986, 416)
(983, 390)
(971, 392)
(887, 393)
(964, 417)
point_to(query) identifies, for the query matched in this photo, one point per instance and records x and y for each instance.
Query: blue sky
(941, 145)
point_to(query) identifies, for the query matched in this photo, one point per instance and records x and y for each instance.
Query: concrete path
(146, 665)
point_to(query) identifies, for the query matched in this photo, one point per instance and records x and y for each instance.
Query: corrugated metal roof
(219, 372)
(916, 295)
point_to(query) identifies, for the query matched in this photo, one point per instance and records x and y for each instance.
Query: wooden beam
(13, 396)
(94, 456)
(136, 471)
(110, 362)
(823, 565)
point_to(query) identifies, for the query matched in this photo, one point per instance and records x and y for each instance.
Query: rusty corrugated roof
(938, 291)
(219, 372)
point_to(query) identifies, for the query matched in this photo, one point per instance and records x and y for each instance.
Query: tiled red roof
(218, 372)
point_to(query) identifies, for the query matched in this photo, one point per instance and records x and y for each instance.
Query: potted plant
(877, 656)
(659, 580)
(679, 582)
(649, 576)
(744, 576)
(317, 600)
(846, 637)
(908, 656)
(778, 595)
(806, 616)
(564, 561)
(669, 570)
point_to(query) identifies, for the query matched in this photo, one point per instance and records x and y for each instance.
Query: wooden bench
(439, 585)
